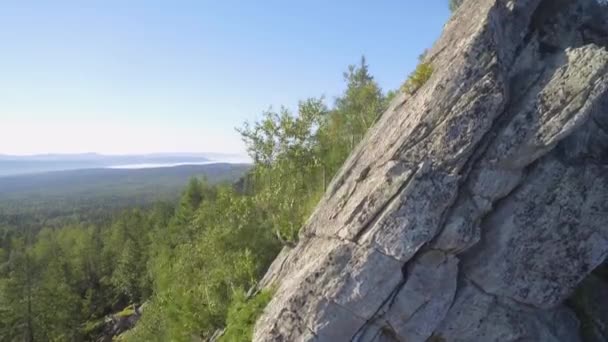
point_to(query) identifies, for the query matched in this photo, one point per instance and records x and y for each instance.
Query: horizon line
(103, 154)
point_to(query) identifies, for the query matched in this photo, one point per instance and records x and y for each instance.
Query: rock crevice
(474, 207)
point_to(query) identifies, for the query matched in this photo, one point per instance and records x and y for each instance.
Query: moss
(436, 338)
(242, 315)
(417, 78)
(93, 327)
(126, 312)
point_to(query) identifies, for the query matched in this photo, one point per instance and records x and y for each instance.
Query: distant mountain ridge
(102, 156)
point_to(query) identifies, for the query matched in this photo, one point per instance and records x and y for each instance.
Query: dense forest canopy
(186, 265)
(93, 196)
(191, 263)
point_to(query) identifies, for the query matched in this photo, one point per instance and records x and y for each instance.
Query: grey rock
(116, 324)
(542, 240)
(425, 298)
(589, 303)
(479, 316)
(475, 206)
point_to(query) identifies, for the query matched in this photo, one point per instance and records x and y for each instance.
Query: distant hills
(32, 164)
(95, 192)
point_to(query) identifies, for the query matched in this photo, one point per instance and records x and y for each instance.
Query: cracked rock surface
(474, 207)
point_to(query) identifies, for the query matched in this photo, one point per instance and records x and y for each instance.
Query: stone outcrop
(475, 206)
(589, 302)
(114, 325)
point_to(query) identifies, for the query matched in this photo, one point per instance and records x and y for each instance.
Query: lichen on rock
(475, 206)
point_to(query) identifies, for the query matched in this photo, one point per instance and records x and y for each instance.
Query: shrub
(417, 78)
(94, 327)
(243, 314)
(126, 312)
(454, 4)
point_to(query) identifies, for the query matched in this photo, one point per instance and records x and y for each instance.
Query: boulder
(120, 322)
(476, 205)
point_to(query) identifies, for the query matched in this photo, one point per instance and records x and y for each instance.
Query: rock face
(475, 206)
(116, 324)
(589, 302)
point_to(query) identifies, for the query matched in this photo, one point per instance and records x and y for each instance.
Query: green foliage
(288, 165)
(192, 262)
(152, 327)
(355, 111)
(242, 315)
(126, 312)
(58, 285)
(96, 196)
(417, 78)
(297, 154)
(196, 281)
(128, 242)
(39, 299)
(92, 328)
(454, 4)
(221, 241)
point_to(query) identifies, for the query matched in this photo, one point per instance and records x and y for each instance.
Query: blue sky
(122, 77)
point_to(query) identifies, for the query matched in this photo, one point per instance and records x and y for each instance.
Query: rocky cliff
(475, 206)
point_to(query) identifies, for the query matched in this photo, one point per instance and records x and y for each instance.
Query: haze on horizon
(129, 78)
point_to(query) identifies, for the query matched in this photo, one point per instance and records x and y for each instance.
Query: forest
(189, 264)
(92, 196)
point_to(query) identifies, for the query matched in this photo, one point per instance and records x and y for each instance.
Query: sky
(143, 76)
